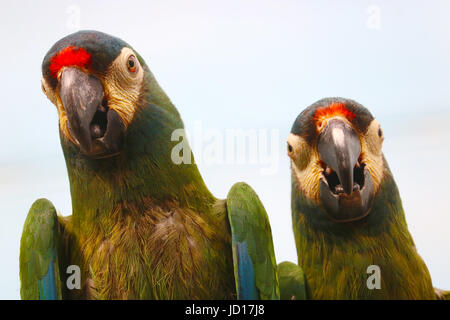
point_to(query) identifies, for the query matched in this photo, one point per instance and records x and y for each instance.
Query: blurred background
(244, 65)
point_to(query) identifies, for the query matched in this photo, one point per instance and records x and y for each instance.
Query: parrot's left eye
(290, 149)
(132, 64)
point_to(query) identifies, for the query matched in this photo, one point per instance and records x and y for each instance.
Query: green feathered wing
(442, 294)
(292, 281)
(254, 261)
(39, 265)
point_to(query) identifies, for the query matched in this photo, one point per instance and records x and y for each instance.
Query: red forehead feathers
(334, 109)
(70, 56)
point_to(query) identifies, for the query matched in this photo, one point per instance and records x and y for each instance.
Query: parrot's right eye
(132, 64)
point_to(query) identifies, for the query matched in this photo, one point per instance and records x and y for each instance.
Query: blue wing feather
(246, 273)
(47, 285)
(39, 248)
(255, 268)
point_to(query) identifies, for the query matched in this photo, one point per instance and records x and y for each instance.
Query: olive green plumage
(342, 236)
(39, 251)
(247, 219)
(292, 281)
(335, 257)
(144, 227)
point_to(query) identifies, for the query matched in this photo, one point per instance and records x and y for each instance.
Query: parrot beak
(97, 129)
(346, 186)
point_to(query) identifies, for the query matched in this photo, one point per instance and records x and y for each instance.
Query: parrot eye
(289, 148)
(43, 87)
(132, 64)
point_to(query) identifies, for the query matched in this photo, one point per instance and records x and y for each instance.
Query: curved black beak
(346, 186)
(80, 94)
(97, 129)
(339, 147)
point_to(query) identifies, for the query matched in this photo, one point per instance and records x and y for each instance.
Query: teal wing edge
(292, 281)
(255, 268)
(38, 261)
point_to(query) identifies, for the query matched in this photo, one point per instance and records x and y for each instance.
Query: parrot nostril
(99, 121)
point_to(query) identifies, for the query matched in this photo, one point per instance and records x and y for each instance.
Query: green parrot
(143, 224)
(350, 230)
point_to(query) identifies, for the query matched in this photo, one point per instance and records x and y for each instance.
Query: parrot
(349, 226)
(143, 224)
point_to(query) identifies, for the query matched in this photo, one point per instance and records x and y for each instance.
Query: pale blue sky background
(242, 65)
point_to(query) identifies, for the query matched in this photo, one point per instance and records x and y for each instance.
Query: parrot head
(335, 147)
(116, 124)
(96, 83)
